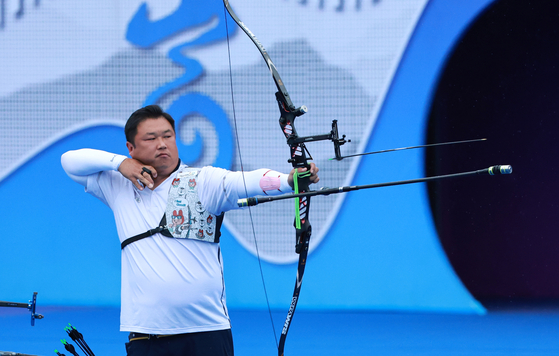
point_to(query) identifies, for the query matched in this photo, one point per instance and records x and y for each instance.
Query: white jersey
(169, 286)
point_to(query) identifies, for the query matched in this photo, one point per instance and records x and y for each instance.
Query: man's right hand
(133, 170)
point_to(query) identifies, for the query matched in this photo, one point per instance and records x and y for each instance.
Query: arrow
(408, 148)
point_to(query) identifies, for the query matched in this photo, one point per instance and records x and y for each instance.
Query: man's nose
(161, 143)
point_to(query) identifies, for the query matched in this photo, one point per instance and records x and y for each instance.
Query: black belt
(142, 336)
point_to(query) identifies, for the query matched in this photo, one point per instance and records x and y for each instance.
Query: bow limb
(299, 157)
(277, 79)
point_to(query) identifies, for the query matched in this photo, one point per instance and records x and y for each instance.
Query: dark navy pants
(211, 343)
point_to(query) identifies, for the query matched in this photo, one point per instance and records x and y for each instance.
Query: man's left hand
(313, 178)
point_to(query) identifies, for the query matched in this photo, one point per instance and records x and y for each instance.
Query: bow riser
(299, 159)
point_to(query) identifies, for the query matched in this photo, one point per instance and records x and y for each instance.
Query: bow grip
(303, 229)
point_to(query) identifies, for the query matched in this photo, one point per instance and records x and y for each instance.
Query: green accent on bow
(296, 190)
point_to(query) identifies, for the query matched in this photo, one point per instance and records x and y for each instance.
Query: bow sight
(333, 136)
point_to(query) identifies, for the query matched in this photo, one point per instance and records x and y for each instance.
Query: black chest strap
(165, 232)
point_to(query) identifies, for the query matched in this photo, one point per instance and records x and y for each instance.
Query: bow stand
(29, 306)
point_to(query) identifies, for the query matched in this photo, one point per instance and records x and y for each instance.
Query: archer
(172, 288)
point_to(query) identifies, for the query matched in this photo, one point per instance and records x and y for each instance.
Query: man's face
(155, 145)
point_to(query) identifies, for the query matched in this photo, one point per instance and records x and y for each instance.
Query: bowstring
(244, 181)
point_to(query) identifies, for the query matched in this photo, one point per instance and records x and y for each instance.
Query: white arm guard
(81, 163)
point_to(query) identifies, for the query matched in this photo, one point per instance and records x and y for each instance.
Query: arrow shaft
(412, 147)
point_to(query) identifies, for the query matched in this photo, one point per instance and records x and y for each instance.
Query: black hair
(147, 112)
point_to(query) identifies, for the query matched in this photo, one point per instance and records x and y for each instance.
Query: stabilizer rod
(493, 170)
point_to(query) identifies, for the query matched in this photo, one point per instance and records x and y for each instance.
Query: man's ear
(130, 147)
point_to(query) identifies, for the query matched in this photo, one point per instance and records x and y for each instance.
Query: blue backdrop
(382, 251)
